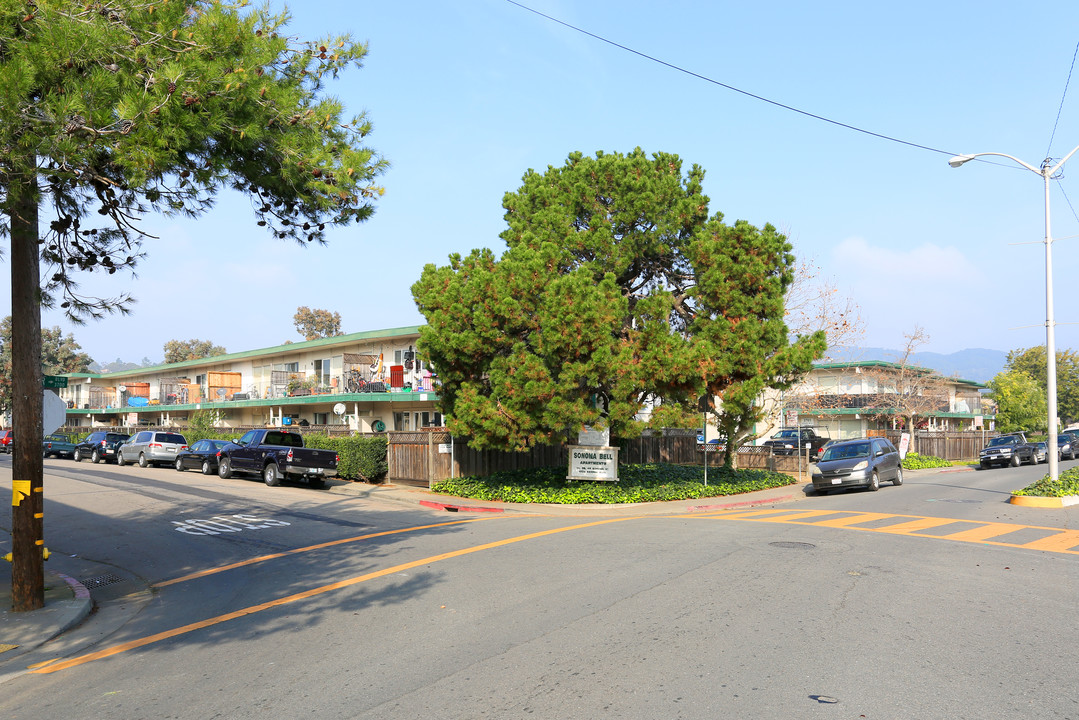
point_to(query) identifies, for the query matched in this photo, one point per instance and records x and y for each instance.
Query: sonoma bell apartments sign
(593, 459)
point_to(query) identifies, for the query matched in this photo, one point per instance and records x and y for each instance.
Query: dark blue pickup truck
(276, 455)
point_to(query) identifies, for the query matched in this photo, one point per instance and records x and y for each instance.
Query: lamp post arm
(961, 159)
(1059, 164)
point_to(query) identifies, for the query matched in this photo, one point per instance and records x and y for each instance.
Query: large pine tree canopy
(115, 108)
(616, 284)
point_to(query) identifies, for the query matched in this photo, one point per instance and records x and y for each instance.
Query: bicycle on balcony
(354, 382)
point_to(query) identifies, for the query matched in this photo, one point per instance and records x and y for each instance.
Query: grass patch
(1066, 484)
(636, 484)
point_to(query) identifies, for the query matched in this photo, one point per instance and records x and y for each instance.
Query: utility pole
(27, 469)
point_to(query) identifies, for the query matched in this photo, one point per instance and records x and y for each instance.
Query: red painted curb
(745, 503)
(458, 508)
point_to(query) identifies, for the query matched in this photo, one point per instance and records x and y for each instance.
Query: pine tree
(616, 286)
(113, 109)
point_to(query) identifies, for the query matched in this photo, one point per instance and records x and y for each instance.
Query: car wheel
(77, 455)
(874, 482)
(142, 460)
(898, 476)
(120, 459)
(207, 468)
(983, 466)
(224, 469)
(1015, 462)
(179, 464)
(271, 476)
(96, 456)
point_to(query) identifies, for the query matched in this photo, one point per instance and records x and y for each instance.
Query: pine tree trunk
(27, 526)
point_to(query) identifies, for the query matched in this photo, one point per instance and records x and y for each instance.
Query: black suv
(98, 446)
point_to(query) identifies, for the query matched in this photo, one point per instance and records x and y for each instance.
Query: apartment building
(368, 382)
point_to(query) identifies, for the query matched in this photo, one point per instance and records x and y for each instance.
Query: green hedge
(914, 461)
(1067, 484)
(359, 458)
(636, 483)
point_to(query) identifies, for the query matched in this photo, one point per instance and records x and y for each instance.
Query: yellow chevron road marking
(989, 530)
(1058, 540)
(1056, 543)
(852, 520)
(919, 524)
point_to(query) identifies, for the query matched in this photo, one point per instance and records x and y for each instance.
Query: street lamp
(1047, 170)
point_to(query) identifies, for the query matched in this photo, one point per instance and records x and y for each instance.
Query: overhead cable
(731, 87)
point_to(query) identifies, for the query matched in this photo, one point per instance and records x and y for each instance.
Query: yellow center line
(309, 548)
(175, 632)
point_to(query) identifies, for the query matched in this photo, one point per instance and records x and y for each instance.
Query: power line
(1061, 108)
(731, 87)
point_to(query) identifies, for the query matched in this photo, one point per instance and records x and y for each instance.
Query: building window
(428, 419)
(322, 372)
(400, 421)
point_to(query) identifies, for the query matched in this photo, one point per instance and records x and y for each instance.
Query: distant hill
(977, 364)
(119, 365)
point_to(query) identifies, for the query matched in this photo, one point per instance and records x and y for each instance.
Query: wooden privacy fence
(954, 445)
(433, 456)
(427, 457)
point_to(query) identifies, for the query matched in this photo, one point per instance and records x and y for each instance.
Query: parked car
(203, 454)
(57, 445)
(1065, 448)
(864, 462)
(1040, 453)
(789, 441)
(151, 447)
(1011, 449)
(6, 438)
(99, 445)
(276, 455)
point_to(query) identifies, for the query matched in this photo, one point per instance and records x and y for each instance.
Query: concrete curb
(450, 507)
(742, 504)
(67, 603)
(1036, 501)
(76, 609)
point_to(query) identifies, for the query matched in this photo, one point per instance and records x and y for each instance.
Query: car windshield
(171, 438)
(846, 451)
(786, 434)
(115, 437)
(1003, 440)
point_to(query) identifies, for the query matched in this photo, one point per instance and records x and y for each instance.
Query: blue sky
(465, 97)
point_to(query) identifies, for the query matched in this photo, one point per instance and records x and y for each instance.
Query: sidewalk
(67, 603)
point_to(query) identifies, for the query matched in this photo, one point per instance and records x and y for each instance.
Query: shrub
(914, 461)
(359, 458)
(1067, 484)
(636, 483)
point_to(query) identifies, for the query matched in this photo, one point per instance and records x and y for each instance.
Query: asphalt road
(228, 599)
